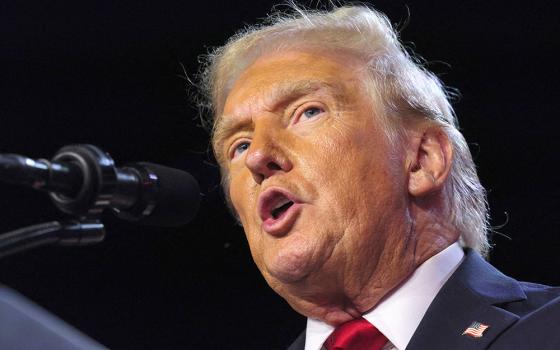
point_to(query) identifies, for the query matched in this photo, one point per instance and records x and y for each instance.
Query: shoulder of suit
(538, 296)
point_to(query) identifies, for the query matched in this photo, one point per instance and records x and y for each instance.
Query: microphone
(83, 180)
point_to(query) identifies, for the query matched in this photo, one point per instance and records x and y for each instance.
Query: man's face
(318, 188)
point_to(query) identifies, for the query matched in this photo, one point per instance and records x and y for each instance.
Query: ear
(429, 162)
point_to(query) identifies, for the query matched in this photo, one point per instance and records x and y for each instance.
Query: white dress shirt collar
(398, 315)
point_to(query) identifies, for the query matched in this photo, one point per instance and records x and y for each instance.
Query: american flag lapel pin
(476, 330)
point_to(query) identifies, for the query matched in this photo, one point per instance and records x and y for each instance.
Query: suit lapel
(470, 295)
(299, 343)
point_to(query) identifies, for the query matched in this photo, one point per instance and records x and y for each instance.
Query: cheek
(356, 170)
(243, 196)
(344, 156)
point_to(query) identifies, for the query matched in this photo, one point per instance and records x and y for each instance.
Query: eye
(239, 148)
(312, 112)
(308, 112)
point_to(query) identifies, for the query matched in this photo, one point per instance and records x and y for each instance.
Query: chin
(290, 265)
(288, 272)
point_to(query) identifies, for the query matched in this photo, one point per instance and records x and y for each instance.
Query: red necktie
(357, 334)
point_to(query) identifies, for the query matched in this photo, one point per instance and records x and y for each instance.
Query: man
(342, 160)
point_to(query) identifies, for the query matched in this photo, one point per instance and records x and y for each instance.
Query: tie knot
(357, 334)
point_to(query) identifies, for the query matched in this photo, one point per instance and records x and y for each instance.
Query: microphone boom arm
(66, 233)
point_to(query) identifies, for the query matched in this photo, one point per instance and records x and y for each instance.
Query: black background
(111, 73)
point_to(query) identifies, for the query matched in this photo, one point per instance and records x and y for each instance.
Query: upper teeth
(281, 203)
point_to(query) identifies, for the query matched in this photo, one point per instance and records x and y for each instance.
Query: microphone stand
(64, 233)
(82, 181)
(85, 202)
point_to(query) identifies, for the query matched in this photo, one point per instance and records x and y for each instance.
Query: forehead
(288, 66)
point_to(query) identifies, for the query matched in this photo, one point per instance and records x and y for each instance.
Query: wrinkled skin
(368, 212)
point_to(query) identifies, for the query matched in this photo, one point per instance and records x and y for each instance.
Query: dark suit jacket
(520, 315)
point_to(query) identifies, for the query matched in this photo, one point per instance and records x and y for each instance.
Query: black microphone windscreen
(178, 197)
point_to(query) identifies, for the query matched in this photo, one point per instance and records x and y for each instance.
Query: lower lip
(281, 225)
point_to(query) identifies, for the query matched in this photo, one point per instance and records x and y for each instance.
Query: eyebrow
(278, 97)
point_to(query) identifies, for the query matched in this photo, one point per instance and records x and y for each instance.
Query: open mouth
(278, 210)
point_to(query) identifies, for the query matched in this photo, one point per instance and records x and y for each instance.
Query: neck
(357, 292)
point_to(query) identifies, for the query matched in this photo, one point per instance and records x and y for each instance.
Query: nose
(265, 156)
